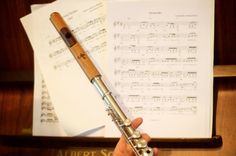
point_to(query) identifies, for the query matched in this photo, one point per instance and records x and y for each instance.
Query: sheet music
(161, 55)
(45, 120)
(69, 89)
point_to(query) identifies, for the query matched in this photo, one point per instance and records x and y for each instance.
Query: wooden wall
(16, 55)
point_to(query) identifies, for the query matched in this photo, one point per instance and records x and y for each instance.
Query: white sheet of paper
(161, 56)
(76, 101)
(45, 120)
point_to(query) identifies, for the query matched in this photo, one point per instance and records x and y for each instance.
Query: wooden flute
(132, 136)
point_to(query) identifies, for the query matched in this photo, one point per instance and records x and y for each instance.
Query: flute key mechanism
(132, 136)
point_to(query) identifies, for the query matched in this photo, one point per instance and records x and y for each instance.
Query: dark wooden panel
(15, 50)
(225, 32)
(16, 109)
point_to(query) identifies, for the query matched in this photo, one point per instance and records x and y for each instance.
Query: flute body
(132, 136)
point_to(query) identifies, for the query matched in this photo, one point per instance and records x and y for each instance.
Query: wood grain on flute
(76, 49)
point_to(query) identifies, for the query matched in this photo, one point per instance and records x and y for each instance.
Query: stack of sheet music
(155, 55)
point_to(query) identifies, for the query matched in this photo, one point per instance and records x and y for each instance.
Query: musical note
(160, 99)
(153, 37)
(152, 86)
(47, 114)
(95, 35)
(96, 22)
(145, 51)
(154, 74)
(63, 64)
(160, 70)
(154, 61)
(191, 110)
(56, 53)
(159, 26)
(137, 49)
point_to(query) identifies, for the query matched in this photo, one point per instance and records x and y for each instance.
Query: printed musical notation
(152, 31)
(155, 25)
(93, 22)
(153, 37)
(153, 86)
(150, 74)
(90, 33)
(155, 50)
(47, 114)
(153, 62)
(161, 99)
(63, 64)
(173, 110)
(94, 35)
(161, 104)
